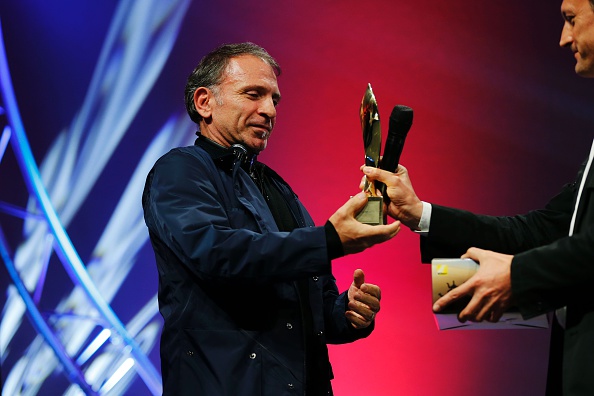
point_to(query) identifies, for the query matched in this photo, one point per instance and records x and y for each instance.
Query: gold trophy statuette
(372, 213)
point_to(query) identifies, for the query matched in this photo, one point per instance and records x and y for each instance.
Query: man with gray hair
(245, 278)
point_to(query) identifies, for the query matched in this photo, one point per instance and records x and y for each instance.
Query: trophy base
(372, 213)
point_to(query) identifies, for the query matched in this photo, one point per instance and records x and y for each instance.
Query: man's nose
(566, 38)
(268, 108)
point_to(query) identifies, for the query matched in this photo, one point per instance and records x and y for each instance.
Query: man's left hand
(364, 301)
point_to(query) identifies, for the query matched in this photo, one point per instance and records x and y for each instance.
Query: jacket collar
(226, 157)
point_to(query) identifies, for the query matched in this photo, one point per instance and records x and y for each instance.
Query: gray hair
(210, 70)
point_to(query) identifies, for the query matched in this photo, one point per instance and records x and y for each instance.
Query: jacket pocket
(221, 362)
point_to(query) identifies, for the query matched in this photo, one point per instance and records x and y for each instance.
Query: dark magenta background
(501, 123)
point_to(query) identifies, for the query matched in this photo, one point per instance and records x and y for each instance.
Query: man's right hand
(356, 236)
(404, 203)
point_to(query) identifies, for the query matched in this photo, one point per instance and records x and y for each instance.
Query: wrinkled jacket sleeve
(216, 229)
(554, 275)
(339, 330)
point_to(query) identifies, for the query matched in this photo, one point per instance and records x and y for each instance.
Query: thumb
(358, 278)
(372, 173)
(472, 253)
(393, 228)
(356, 203)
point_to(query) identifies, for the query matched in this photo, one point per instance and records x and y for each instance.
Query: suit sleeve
(453, 231)
(554, 275)
(550, 269)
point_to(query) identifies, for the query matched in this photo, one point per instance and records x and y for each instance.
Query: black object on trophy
(401, 120)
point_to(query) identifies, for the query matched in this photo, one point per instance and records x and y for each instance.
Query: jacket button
(190, 353)
(252, 355)
(315, 278)
(289, 326)
(291, 386)
(320, 333)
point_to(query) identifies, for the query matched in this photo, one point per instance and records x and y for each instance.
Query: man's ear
(202, 97)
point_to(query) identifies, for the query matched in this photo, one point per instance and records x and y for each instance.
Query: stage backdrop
(501, 122)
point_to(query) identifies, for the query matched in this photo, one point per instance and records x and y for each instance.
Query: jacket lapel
(584, 209)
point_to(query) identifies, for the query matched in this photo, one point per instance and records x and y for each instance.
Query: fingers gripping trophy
(400, 122)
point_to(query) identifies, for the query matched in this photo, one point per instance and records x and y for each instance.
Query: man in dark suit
(542, 261)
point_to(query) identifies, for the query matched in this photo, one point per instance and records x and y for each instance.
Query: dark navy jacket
(227, 293)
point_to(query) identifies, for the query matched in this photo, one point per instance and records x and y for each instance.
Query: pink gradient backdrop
(490, 89)
(501, 123)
